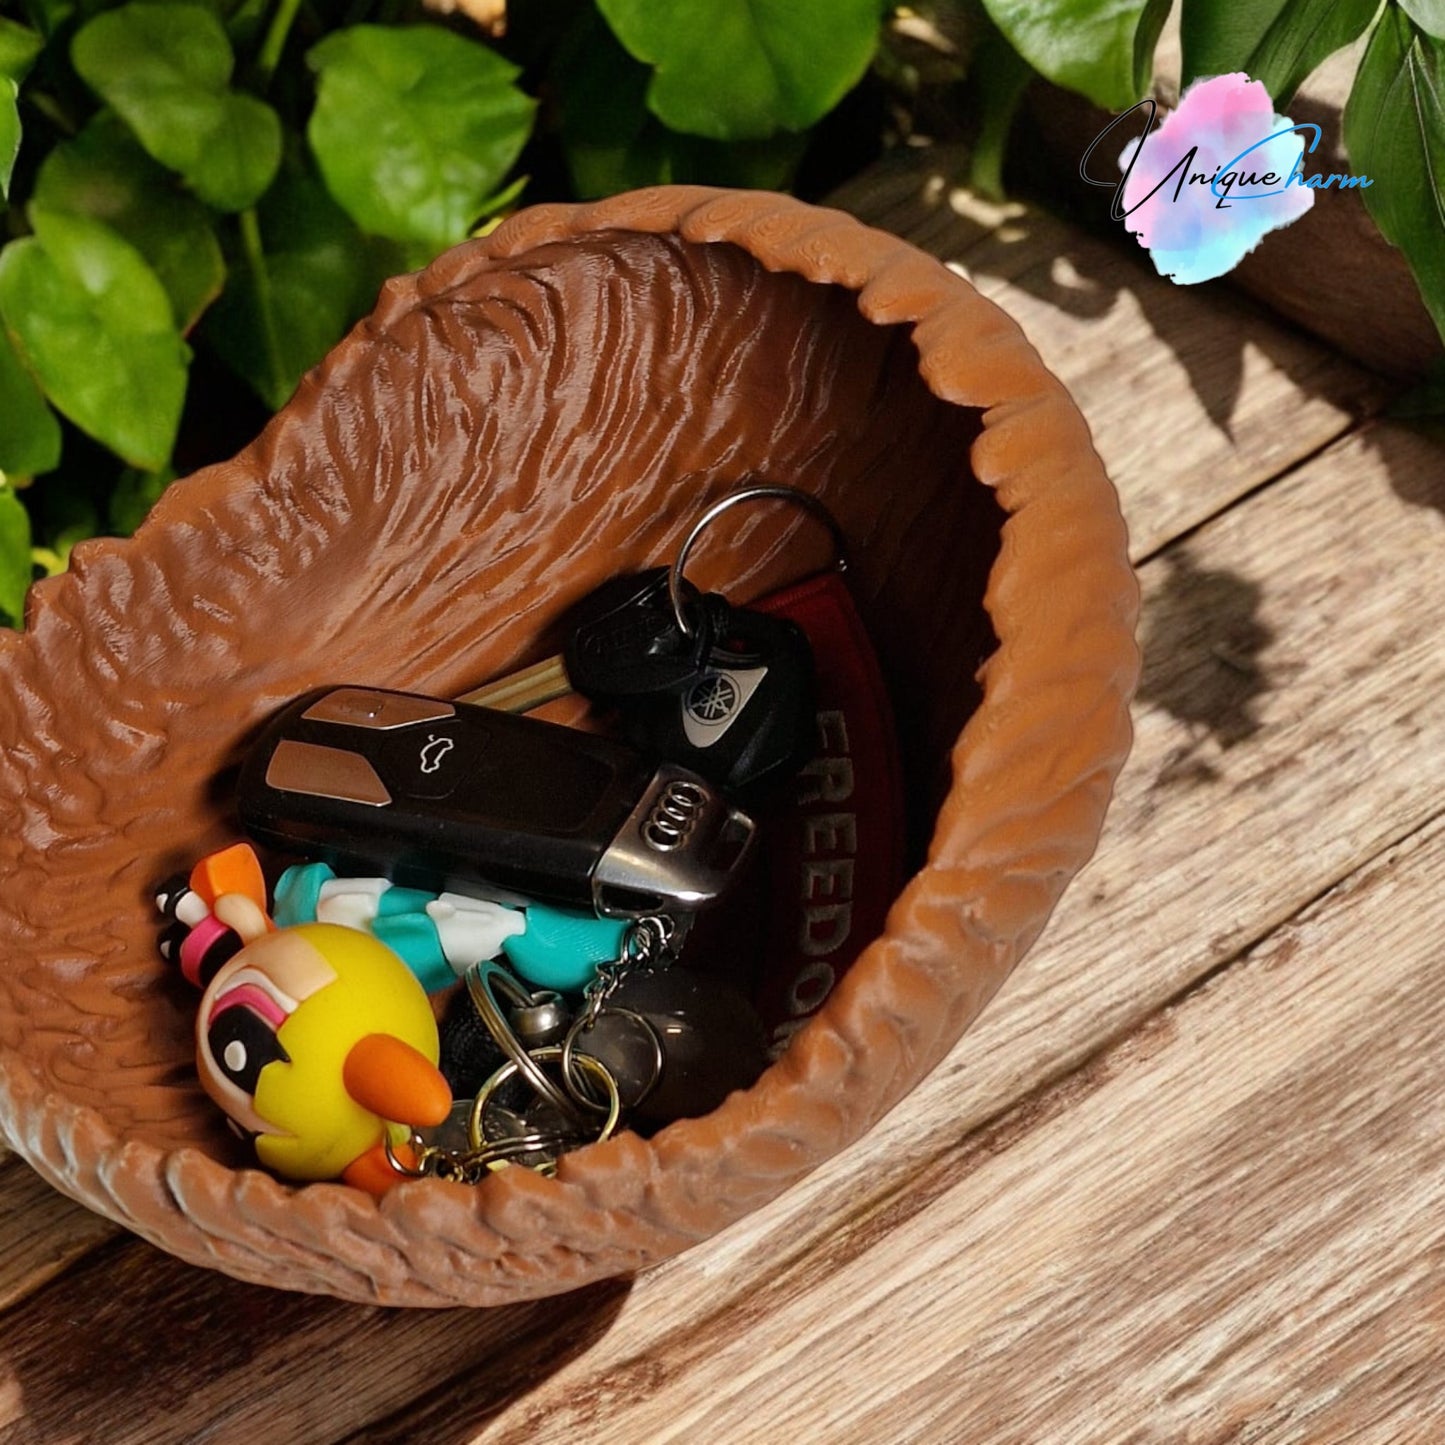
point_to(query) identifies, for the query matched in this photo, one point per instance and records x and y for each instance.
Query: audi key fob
(446, 796)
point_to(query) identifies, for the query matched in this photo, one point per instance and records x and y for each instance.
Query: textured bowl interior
(530, 415)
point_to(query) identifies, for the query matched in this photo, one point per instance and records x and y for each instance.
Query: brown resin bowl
(534, 412)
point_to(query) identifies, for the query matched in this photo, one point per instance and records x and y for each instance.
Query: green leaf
(732, 71)
(19, 45)
(1001, 76)
(15, 565)
(136, 492)
(414, 128)
(1146, 39)
(614, 143)
(1395, 133)
(1103, 49)
(241, 155)
(105, 175)
(166, 69)
(1221, 39)
(1278, 42)
(94, 325)
(29, 432)
(308, 275)
(49, 15)
(1429, 15)
(9, 133)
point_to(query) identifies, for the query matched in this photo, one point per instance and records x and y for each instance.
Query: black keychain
(727, 692)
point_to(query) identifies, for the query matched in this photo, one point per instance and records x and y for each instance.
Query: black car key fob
(442, 795)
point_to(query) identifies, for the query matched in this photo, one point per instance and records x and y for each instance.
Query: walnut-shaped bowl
(531, 414)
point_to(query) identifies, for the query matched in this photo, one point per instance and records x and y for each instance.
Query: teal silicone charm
(561, 948)
(298, 891)
(413, 937)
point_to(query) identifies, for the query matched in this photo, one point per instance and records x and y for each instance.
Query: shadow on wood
(1412, 484)
(1203, 641)
(195, 1355)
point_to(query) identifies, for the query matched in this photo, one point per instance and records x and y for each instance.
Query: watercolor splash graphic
(1188, 234)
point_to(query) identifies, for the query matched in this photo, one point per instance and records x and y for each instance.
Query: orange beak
(392, 1079)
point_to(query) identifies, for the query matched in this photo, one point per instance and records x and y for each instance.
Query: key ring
(763, 491)
(472, 1165)
(481, 979)
(571, 1060)
(476, 1137)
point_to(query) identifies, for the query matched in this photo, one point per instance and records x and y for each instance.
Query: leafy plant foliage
(1395, 130)
(196, 188)
(739, 72)
(414, 129)
(1395, 120)
(1104, 49)
(1278, 42)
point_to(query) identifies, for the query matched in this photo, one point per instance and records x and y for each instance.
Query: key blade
(522, 691)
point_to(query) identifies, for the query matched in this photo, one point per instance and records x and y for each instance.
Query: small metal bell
(541, 1022)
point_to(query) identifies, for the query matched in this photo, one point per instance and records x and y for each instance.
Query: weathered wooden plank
(1194, 397)
(41, 1231)
(1291, 724)
(1228, 1227)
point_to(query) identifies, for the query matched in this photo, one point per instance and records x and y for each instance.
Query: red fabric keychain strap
(836, 848)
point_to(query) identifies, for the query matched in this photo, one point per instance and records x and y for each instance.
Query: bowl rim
(1015, 825)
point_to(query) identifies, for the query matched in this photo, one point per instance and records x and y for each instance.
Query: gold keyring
(477, 1141)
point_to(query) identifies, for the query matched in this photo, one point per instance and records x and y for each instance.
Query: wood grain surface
(1183, 1180)
(1212, 1232)
(1195, 395)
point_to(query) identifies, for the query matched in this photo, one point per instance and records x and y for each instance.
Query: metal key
(739, 712)
(624, 642)
(647, 634)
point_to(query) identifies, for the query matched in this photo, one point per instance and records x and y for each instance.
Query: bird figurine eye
(242, 1043)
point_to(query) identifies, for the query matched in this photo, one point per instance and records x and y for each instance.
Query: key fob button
(363, 707)
(323, 772)
(428, 762)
